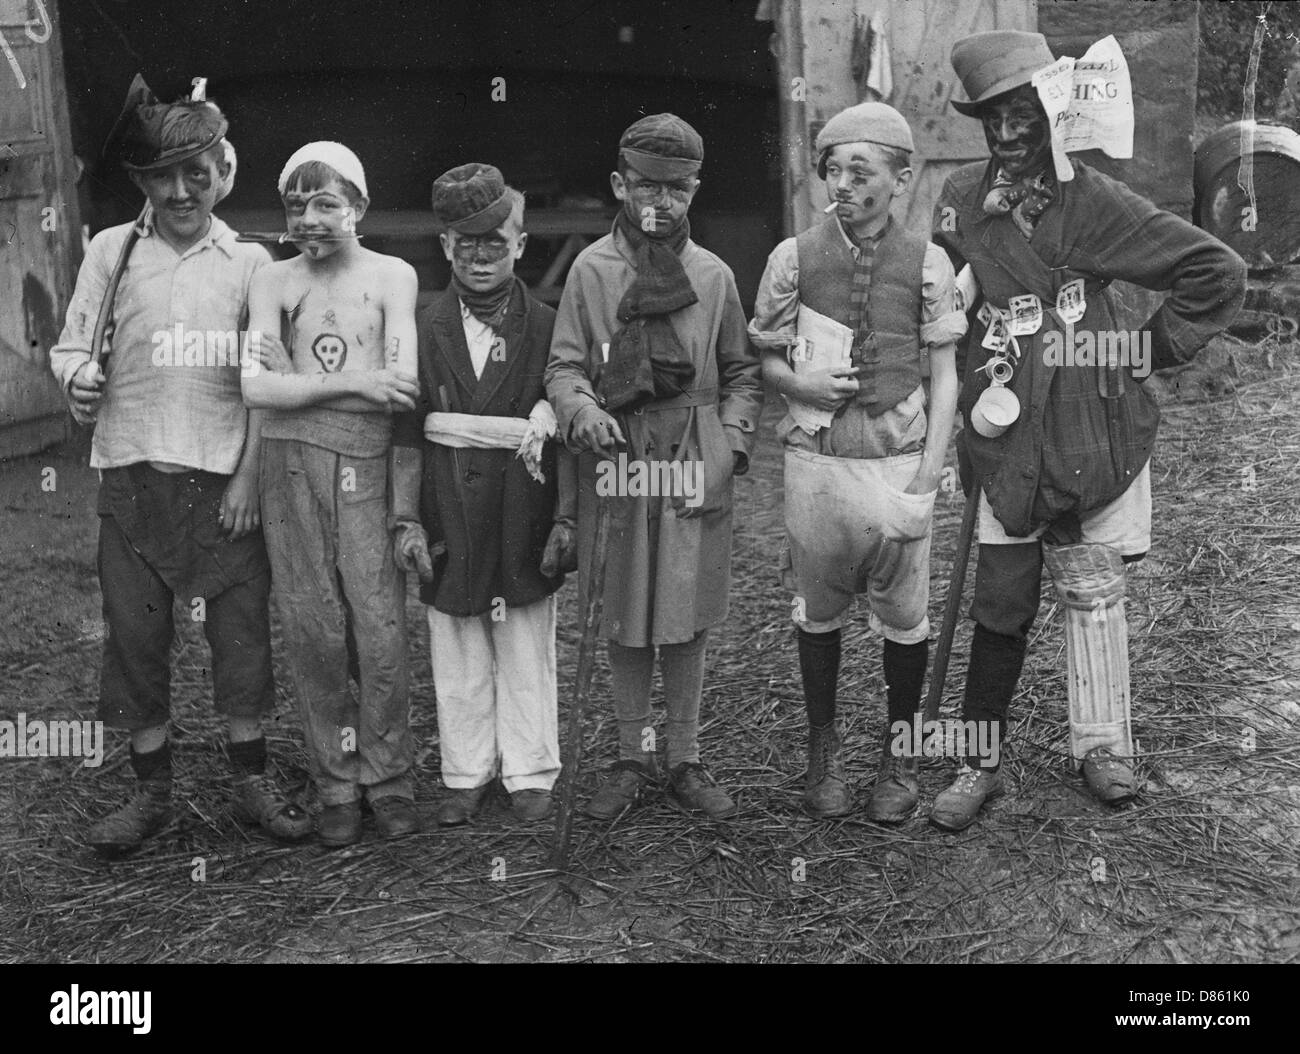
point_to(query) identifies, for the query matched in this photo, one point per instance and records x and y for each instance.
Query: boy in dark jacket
(488, 534)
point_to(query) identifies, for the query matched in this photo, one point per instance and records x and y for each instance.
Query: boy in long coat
(651, 370)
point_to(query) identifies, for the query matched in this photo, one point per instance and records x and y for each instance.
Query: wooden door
(40, 232)
(919, 35)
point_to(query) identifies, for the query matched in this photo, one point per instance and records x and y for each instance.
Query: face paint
(489, 249)
(1017, 133)
(860, 182)
(483, 262)
(319, 221)
(331, 351)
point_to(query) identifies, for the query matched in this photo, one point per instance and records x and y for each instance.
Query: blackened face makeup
(482, 262)
(1017, 132)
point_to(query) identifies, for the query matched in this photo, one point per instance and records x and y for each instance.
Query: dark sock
(249, 757)
(819, 662)
(904, 678)
(154, 765)
(995, 664)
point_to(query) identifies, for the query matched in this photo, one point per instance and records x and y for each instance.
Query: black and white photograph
(693, 481)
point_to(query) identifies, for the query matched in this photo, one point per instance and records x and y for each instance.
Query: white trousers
(496, 688)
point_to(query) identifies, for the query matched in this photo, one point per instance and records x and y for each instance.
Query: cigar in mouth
(831, 207)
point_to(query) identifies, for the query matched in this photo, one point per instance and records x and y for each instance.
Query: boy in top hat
(349, 315)
(177, 454)
(651, 372)
(1067, 484)
(859, 490)
(488, 498)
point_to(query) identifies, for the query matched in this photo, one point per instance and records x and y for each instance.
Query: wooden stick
(114, 280)
(939, 673)
(572, 753)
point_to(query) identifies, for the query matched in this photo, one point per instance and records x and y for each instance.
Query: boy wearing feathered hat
(860, 489)
(349, 317)
(496, 501)
(651, 373)
(1067, 483)
(177, 454)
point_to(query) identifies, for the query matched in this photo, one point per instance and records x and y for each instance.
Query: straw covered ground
(1202, 868)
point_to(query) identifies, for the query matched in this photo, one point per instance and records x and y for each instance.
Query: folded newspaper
(1089, 104)
(822, 343)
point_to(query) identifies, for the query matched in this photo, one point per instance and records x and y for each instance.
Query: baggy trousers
(338, 588)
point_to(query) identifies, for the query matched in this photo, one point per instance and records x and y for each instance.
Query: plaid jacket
(1084, 431)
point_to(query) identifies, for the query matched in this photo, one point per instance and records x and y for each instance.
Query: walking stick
(942, 653)
(572, 753)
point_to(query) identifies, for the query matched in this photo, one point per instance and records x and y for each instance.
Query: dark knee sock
(155, 765)
(995, 664)
(248, 758)
(904, 666)
(819, 662)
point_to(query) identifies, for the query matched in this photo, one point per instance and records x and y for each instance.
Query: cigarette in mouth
(831, 207)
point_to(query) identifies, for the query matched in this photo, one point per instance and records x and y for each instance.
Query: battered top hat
(150, 134)
(662, 146)
(868, 122)
(471, 198)
(989, 64)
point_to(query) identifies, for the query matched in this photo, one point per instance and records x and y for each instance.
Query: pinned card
(1070, 302)
(996, 337)
(1026, 315)
(984, 313)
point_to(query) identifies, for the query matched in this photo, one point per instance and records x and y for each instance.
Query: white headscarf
(336, 155)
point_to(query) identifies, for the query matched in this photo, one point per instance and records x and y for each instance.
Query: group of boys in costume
(358, 442)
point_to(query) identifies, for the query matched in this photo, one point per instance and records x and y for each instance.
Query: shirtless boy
(348, 316)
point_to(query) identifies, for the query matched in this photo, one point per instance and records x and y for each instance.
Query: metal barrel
(1269, 236)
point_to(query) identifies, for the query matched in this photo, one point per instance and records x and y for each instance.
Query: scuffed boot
(626, 785)
(1109, 777)
(956, 808)
(692, 789)
(259, 799)
(897, 786)
(145, 813)
(826, 793)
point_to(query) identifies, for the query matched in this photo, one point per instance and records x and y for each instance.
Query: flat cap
(868, 122)
(471, 198)
(662, 146)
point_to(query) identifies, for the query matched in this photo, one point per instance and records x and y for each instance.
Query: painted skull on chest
(331, 351)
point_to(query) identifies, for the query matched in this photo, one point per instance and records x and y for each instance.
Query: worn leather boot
(897, 786)
(145, 813)
(1109, 777)
(340, 824)
(692, 789)
(956, 808)
(259, 799)
(826, 793)
(462, 805)
(395, 816)
(624, 786)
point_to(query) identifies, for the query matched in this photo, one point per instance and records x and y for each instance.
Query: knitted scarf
(489, 307)
(646, 359)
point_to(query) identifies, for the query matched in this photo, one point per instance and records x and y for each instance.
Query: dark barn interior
(410, 87)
